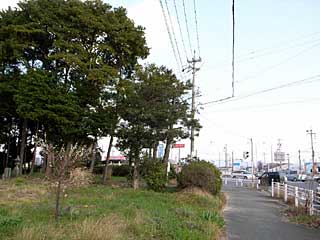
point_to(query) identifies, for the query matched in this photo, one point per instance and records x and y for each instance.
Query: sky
(276, 43)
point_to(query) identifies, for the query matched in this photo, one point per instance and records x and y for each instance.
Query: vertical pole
(296, 197)
(193, 102)
(226, 155)
(312, 150)
(272, 187)
(252, 170)
(285, 192)
(271, 153)
(179, 155)
(278, 189)
(232, 162)
(300, 170)
(311, 202)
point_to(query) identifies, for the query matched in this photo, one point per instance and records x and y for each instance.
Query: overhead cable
(294, 83)
(187, 26)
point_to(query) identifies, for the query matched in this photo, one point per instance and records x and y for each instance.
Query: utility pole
(232, 160)
(288, 155)
(312, 150)
(193, 103)
(271, 156)
(226, 155)
(300, 171)
(251, 141)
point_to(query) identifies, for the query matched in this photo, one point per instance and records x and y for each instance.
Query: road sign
(178, 145)
(279, 156)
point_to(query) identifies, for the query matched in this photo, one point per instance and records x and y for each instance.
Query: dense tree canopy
(69, 73)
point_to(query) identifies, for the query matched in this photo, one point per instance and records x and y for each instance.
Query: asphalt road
(252, 215)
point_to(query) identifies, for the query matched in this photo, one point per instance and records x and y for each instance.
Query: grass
(300, 216)
(106, 212)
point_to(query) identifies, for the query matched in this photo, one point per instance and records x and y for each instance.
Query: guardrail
(301, 197)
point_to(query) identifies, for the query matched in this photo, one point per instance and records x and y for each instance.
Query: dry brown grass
(14, 191)
(196, 191)
(106, 228)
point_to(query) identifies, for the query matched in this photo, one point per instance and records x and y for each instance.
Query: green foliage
(121, 171)
(172, 174)
(154, 173)
(200, 174)
(9, 221)
(213, 217)
(146, 215)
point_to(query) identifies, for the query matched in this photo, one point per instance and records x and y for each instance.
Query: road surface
(254, 215)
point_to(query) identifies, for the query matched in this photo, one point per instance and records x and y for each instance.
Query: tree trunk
(135, 177)
(167, 152)
(150, 153)
(58, 193)
(154, 154)
(61, 175)
(23, 144)
(105, 172)
(35, 150)
(93, 159)
(50, 157)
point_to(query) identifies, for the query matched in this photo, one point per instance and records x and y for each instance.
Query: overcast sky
(277, 42)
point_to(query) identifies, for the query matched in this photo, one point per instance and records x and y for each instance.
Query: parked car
(292, 177)
(302, 177)
(267, 177)
(242, 174)
(315, 178)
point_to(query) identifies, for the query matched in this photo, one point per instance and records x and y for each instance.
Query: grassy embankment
(105, 212)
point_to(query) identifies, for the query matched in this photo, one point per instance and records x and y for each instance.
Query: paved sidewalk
(252, 215)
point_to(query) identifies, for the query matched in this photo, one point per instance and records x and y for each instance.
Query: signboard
(160, 150)
(279, 156)
(178, 145)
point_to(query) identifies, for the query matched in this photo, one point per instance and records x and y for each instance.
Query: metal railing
(301, 197)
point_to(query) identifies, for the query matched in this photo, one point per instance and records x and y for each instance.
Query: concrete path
(253, 215)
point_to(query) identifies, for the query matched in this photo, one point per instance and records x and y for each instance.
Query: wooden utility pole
(299, 161)
(312, 150)
(193, 103)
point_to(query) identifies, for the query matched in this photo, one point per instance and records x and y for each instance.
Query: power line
(306, 80)
(269, 105)
(271, 50)
(257, 74)
(173, 33)
(180, 29)
(187, 25)
(196, 22)
(169, 33)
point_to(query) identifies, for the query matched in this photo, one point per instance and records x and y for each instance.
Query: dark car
(266, 178)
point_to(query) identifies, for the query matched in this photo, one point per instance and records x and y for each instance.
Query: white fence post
(242, 183)
(258, 182)
(285, 192)
(225, 181)
(236, 182)
(311, 202)
(272, 188)
(296, 197)
(278, 189)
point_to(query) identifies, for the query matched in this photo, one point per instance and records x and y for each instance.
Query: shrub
(155, 175)
(120, 171)
(200, 174)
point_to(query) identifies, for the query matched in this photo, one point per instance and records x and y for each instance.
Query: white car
(302, 177)
(242, 174)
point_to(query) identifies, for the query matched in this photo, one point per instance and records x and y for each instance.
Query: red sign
(178, 145)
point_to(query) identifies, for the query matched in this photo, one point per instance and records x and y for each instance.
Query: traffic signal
(245, 155)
